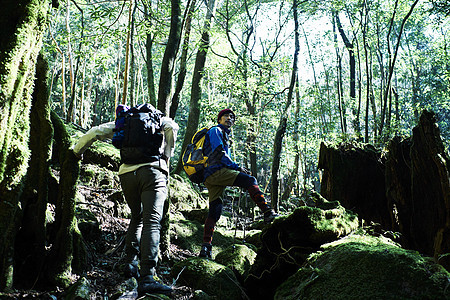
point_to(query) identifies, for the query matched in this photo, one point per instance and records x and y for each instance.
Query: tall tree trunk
(71, 73)
(132, 60)
(339, 83)
(184, 53)
(170, 53)
(283, 121)
(294, 172)
(366, 55)
(351, 54)
(150, 71)
(392, 62)
(194, 105)
(117, 83)
(21, 29)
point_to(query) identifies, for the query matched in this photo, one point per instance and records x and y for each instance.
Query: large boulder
(366, 267)
(206, 275)
(289, 241)
(238, 258)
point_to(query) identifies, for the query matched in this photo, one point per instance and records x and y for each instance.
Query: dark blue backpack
(138, 133)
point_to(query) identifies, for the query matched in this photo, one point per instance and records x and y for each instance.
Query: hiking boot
(206, 250)
(270, 215)
(148, 285)
(131, 270)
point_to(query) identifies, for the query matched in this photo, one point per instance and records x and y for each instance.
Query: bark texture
(355, 177)
(419, 189)
(22, 24)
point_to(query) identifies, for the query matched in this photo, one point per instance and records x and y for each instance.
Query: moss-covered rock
(238, 258)
(95, 175)
(186, 234)
(100, 153)
(366, 267)
(79, 290)
(206, 275)
(288, 242)
(183, 196)
(253, 237)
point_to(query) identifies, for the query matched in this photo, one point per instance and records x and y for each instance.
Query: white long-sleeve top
(105, 131)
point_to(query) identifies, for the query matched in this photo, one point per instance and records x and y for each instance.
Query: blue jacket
(218, 151)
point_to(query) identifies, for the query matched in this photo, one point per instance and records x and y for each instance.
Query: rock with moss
(209, 276)
(95, 175)
(238, 258)
(101, 153)
(79, 290)
(288, 242)
(183, 196)
(186, 234)
(366, 267)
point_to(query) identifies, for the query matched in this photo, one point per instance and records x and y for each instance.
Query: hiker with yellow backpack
(221, 171)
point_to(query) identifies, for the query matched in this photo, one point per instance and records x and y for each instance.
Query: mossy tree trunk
(66, 239)
(35, 193)
(281, 130)
(22, 24)
(170, 53)
(25, 148)
(196, 91)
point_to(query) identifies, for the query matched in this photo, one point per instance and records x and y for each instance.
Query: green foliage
(248, 70)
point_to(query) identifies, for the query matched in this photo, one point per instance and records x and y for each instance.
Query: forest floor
(106, 255)
(105, 258)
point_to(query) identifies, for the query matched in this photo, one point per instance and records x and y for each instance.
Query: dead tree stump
(418, 189)
(407, 190)
(354, 176)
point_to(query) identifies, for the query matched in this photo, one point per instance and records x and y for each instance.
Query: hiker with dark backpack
(146, 140)
(221, 171)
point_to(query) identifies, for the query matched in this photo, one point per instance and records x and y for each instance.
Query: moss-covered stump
(354, 175)
(430, 189)
(291, 239)
(365, 267)
(238, 258)
(206, 275)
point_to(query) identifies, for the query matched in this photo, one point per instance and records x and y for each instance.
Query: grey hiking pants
(145, 192)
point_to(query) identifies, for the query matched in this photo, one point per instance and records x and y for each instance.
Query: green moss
(94, 175)
(238, 258)
(183, 196)
(209, 276)
(365, 267)
(186, 234)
